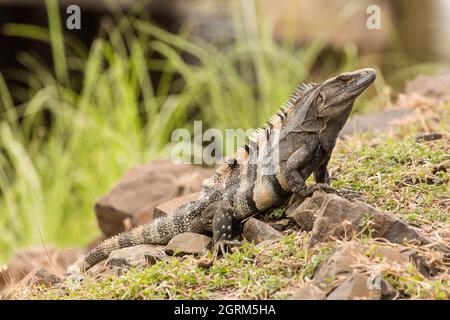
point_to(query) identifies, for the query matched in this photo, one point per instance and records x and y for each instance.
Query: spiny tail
(186, 218)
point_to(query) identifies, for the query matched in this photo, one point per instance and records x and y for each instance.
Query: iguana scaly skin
(295, 143)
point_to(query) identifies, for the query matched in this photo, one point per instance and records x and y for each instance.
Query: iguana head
(324, 108)
(336, 95)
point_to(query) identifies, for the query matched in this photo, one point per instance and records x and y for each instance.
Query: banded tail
(186, 218)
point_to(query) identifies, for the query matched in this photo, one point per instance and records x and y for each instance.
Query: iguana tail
(186, 218)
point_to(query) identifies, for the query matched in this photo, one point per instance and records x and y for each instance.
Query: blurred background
(79, 107)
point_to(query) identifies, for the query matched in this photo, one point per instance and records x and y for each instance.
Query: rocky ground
(391, 242)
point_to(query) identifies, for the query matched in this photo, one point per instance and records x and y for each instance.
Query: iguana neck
(331, 127)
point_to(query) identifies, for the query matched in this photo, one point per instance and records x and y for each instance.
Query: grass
(275, 272)
(249, 273)
(398, 174)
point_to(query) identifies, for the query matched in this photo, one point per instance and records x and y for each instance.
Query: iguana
(295, 143)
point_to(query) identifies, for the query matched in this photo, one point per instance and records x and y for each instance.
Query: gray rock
(188, 243)
(132, 200)
(257, 231)
(137, 256)
(435, 85)
(101, 269)
(341, 219)
(309, 292)
(280, 224)
(27, 260)
(40, 276)
(355, 286)
(341, 274)
(36, 277)
(425, 137)
(425, 267)
(305, 213)
(376, 121)
(386, 289)
(340, 263)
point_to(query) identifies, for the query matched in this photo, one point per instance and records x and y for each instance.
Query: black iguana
(295, 143)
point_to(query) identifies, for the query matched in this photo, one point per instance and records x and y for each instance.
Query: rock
(355, 286)
(435, 85)
(166, 208)
(347, 273)
(340, 218)
(386, 289)
(395, 230)
(132, 200)
(426, 268)
(340, 263)
(309, 292)
(293, 203)
(188, 243)
(139, 256)
(257, 231)
(305, 213)
(429, 137)
(280, 224)
(377, 121)
(25, 261)
(39, 276)
(22, 289)
(101, 269)
(393, 255)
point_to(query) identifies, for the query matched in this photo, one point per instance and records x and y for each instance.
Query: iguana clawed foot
(226, 245)
(308, 191)
(223, 246)
(344, 193)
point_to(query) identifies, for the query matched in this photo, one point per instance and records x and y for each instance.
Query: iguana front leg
(322, 175)
(298, 161)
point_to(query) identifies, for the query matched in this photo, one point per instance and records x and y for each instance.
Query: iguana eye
(345, 79)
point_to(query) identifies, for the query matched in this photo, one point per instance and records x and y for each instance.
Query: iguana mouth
(364, 78)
